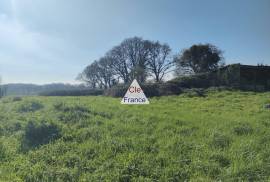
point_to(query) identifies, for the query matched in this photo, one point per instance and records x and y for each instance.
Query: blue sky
(44, 41)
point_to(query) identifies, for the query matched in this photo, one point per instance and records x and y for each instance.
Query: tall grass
(220, 136)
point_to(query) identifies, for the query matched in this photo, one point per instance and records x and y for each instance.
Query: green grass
(222, 136)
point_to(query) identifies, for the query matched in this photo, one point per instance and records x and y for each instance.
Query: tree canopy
(133, 58)
(136, 58)
(199, 58)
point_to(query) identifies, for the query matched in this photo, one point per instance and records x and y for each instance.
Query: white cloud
(38, 53)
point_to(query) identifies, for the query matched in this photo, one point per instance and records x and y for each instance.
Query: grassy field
(222, 136)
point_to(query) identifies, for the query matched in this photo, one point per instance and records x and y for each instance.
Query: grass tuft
(243, 129)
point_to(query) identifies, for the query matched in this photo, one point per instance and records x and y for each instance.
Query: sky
(49, 41)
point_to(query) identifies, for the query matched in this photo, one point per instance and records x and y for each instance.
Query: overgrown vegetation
(196, 136)
(78, 92)
(37, 134)
(29, 106)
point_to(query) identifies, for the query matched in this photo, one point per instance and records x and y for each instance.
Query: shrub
(195, 92)
(37, 134)
(30, 106)
(150, 90)
(15, 99)
(71, 113)
(116, 91)
(169, 88)
(2, 91)
(81, 92)
(202, 80)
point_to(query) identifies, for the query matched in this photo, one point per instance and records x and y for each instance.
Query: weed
(243, 129)
(220, 141)
(221, 160)
(37, 134)
(30, 106)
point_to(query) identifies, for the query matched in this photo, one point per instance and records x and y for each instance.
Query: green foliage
(2, 152)
(243, 129)
(220, 141)
(73, 92)
(30, 106)
(221, 160)
(199, 58)
(220, 136)
(16, 99)
(150, 90)
(37, 134)
(194, 92)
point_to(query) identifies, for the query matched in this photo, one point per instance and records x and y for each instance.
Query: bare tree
(105, 72)
(99, 74)
(130, 59)
(137, 51)
(159, 62)
(134, 58)
(89, 75)
(119, 63)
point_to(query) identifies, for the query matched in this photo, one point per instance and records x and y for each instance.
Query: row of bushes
(150, 90)
(228, 77)
(225, 77)
(172, 87)
(155, 89)
(73, 92)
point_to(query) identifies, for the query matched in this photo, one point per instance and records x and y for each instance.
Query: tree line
(2, 90)
(136, 58)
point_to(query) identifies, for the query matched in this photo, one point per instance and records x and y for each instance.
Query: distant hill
(20, 89)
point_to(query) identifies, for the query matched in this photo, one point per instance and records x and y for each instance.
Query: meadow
(217, 136)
